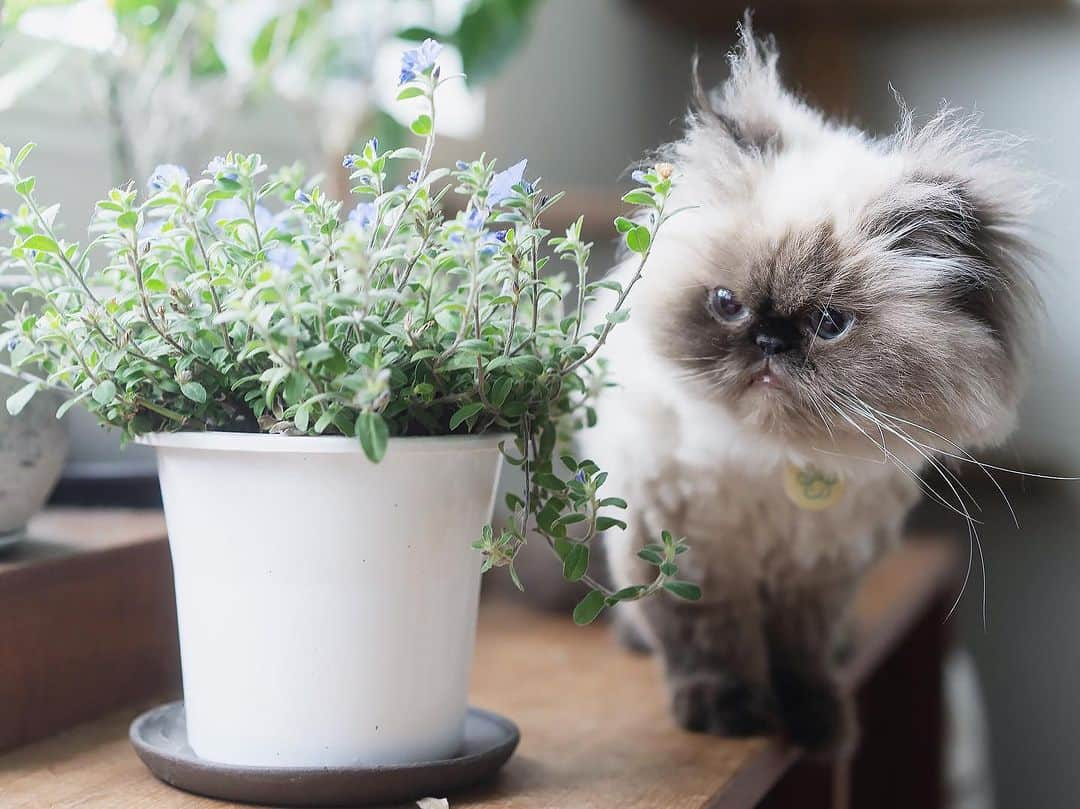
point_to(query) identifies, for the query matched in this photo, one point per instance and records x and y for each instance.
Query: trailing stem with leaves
(241, 301)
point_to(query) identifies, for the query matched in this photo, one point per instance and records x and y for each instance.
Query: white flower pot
(327, 605)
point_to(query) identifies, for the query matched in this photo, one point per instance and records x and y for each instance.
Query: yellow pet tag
(810, 488)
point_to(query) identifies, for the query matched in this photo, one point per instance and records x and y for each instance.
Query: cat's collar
(812, 488)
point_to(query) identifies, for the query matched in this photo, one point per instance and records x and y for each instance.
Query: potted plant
(330, 397)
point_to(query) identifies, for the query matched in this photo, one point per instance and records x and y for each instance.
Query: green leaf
(576, 562)
(669, 568)
(302, 418)
(650, 556)
(606, 523)
(639, 197)
(627, 593)
(67, 404)
(563, 547)
(374, 434)
(40, 242)
(422, 125)
(105, 392)
(464, 413)
(623, 225)
(639, 239)
(683, 589)
(20, 398)
(194, 391)
(405, 153)
(589, 608)
(410, 92)
(546, 480)
(418, 34)
(515, 578)
(324, 421)
(24, 187)
(618, 316)
(24, 153)
(614, 502)
(500, 389)
(128, 219)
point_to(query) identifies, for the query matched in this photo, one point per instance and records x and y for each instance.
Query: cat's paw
(818, 718)
(717, 703)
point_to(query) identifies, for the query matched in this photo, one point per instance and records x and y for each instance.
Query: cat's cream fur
(921, 235)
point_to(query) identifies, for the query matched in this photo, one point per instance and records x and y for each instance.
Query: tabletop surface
(595, 729)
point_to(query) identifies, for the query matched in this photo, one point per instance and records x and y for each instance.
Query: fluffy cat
(833, 315)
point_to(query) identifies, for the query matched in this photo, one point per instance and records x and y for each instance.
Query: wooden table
(595, 732)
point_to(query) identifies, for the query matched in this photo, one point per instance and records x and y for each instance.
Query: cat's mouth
(768, 377)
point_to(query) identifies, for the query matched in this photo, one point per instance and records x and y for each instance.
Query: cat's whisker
(965, 457)
(929, 490)
(814, 403)
(974, 543)
(921, 449)
(850, 457)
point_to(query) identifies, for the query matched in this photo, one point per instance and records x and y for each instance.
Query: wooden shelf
(89, 622)
(595, 730)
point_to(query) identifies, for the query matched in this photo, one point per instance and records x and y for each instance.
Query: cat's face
(826, 284)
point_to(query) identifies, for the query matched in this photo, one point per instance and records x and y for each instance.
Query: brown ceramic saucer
(160, 738)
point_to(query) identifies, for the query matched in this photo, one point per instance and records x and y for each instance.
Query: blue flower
(220, 168)
(580, 476)
(461, 165)
(475, 219)
(301, 196)
(414, 175)
(167, 175)
(416, 61)
(363, 215)
(491, 242)
(283, 256)
(5, 214)
(374, 144)
(229, 209)
(502, 184)
(13, 343)
(638, 176)
(349, 161)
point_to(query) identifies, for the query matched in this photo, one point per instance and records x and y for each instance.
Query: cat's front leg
(803, 624)
(713, 651)
(715, 663)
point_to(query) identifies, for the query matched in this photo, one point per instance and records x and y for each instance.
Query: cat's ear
(751, 108)
(965, 230)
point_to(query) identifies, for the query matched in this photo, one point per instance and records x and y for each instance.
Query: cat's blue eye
(725, 306)
(829, 323)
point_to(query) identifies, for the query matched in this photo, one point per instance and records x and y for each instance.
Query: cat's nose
(771, 344)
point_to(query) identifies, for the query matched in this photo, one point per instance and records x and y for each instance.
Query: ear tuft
(751, 107)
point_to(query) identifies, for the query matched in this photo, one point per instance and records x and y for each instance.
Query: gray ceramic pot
(33, 446)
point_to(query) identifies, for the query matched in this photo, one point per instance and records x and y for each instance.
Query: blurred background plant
(163, 72)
